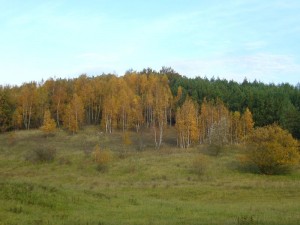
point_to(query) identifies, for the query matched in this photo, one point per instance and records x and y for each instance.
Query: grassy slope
(146, 187)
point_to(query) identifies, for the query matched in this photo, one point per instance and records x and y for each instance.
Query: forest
(149, 147)
(199, 108)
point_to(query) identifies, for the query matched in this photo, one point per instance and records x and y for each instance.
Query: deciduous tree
(27, 101)
(74, 114)
(236, 128)
(247, 122)
(49, 124)
(186, 124)
(6, 109)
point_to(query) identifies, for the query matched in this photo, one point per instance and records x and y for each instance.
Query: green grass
(139, 187)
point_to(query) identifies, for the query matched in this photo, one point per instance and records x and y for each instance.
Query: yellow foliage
(74, 114)
(101, 157)
(200, 164)
(126, 139)
(236, 127)
(247, 121)
(49, 124)
(272, 149)
(186, 124)
(214, 116)
(243, 159)
(18, 118)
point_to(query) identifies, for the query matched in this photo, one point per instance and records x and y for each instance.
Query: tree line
(202, 110)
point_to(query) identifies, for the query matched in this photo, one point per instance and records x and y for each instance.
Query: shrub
(101, 158)
(272, 149)
(246, 220)
(42, 154)
(12, 138)
(64, 161)
(200, 165)
(214, 149)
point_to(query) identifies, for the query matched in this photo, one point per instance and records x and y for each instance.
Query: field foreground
(139, 185)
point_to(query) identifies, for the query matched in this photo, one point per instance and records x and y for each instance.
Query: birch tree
(186, 124)
(74, 114)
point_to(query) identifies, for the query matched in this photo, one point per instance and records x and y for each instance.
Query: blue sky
(230, 39)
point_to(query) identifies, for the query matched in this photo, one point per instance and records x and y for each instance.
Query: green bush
(214, 149)
(246, 220)
(64, 161)
(41, 154)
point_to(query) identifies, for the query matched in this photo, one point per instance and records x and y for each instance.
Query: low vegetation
(144, 186)
(102, 158)
(273, 150)
(200, 164)
(41, 154)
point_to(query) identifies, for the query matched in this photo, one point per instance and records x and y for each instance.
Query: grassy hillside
(140, 186)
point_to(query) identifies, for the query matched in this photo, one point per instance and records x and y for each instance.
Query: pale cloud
(93, 57)
(254, 45)
(265, 63)
(264, 67)
(36, 13)
(95, 63)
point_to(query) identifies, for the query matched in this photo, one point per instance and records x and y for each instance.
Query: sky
(229, 39)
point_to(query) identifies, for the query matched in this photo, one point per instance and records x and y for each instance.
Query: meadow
(141, 185)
